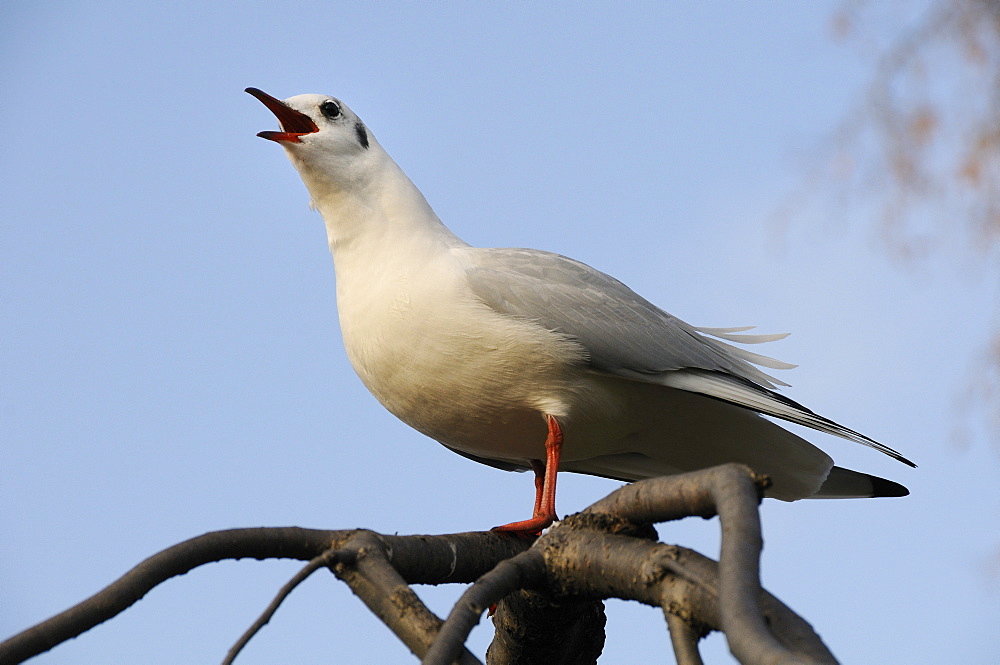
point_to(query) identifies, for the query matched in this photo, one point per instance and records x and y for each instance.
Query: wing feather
(623, 332)
(625, 335)
(751, 396)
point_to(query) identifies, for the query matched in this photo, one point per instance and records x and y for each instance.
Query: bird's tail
(846, 484)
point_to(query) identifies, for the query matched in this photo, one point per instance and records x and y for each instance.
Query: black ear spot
(362, 133)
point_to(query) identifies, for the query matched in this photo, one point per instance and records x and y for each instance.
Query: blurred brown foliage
(919, 152)
(924, 140)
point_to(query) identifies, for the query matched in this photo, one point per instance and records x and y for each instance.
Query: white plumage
(476, 347)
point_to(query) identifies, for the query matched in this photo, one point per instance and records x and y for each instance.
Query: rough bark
(548, 593)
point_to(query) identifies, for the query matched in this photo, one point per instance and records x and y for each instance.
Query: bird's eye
(330, 109)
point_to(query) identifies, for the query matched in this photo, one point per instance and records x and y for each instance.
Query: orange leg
(545, 485)
(538, 467)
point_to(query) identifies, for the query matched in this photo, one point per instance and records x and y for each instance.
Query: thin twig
(263, 543)
(684, 639)
(379, 585)
(459, 557)
(522, 571)
(608, 551)
(324, 559)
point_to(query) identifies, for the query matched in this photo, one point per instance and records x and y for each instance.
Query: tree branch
(292, 542)
(373, 579)
(420, 559)
(733, 492)
(325, 559)
(596, 555)
(577, 625)
(684, 638)
(609, 550)
(525, 570)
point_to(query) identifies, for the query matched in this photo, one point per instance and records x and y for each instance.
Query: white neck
(380, 207)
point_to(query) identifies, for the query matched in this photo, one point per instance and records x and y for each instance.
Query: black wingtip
(882, 487)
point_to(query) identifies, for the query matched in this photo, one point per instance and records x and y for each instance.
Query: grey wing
(625, 335)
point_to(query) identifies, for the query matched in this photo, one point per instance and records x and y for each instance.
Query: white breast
(447, 365)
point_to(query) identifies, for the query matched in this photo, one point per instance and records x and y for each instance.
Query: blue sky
(171, 360)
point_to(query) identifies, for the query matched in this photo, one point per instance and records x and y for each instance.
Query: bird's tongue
(293, 123)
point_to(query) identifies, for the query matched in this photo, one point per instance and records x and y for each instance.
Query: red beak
(293, 123)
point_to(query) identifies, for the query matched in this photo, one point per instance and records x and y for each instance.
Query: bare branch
(373, 579)
(527, 621)
(322, 560)
(420, 559)
(670, 498)
(609, 550)
(583, 563)
(684, 639)
(791, 630)
(525, 570)
(733, 491)
(292, 542)
(596, 555)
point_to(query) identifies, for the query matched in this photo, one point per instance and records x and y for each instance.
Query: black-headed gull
(514, 356)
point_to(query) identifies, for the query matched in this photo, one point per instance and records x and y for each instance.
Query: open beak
(293, 123)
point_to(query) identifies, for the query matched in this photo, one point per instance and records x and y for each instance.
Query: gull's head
(326, 141)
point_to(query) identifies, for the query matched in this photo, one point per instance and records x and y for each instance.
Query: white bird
(514, 356)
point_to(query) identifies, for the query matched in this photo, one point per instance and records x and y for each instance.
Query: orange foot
(544, 513)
